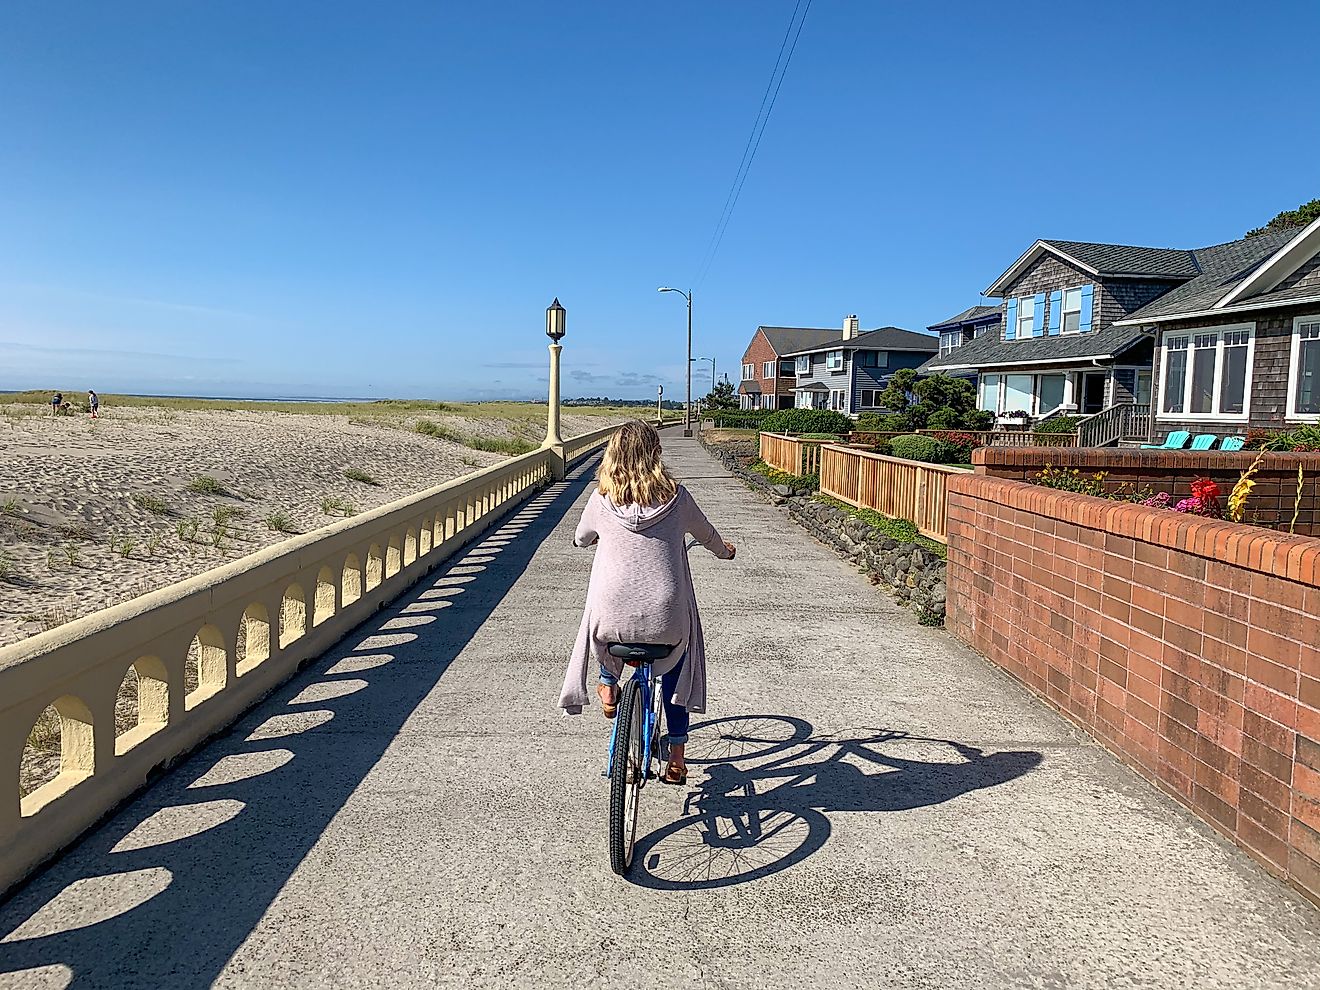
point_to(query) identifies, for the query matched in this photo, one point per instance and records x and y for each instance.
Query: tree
(1290, 219)
(721, 398)
(898, 394)
(937, 402)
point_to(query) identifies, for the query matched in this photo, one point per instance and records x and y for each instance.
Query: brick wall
(758, 352)
(1271, 502)
(1269, 373)
(1190, 647)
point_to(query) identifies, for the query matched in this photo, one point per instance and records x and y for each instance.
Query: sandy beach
(95, 512)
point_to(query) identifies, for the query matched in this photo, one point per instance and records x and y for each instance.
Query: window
(1304, 372)
(836, 401)
(1072, 310)
(1050, 392)
(786, 369)
(1142, 393)
(768, 369)
(804, 365)
(749, 372)
(990, 392)
(871, 398)
(1207, 373)
(1026, 316)
(834, 361)
(979, 332)
(950, 341)
(1018, 392)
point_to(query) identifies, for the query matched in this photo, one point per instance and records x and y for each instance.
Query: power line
(772, 88)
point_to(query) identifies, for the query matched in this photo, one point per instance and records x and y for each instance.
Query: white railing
(206, 649)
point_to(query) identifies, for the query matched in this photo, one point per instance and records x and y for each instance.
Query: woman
(641, 589)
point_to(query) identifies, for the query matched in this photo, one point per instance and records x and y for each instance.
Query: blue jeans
(676, 716)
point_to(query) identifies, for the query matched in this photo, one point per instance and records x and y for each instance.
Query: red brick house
(768, 379)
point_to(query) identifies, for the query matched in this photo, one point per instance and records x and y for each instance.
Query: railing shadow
(771, 786)
(165, 892)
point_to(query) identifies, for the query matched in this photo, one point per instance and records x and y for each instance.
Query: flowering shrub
(958, 445)
(1072, 480)
(1204, 500)
(1160, 500)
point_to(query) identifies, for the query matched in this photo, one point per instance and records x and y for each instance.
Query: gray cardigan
(641, 592)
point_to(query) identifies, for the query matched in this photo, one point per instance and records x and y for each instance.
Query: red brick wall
(1271, 503)
(1190, 647)
(758, 352)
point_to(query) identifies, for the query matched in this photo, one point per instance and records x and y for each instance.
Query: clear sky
(319, 198)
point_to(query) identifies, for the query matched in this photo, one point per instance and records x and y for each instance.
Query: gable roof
(993, 351)
(1104, 261)
(972, 314)
(785, 339)
(1250, 273)
(883, 339)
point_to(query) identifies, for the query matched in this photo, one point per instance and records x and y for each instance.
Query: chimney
(850, 327)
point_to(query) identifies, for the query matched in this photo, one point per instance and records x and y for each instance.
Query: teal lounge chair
(1176, 440)
(1203, 441)
(1232, 443)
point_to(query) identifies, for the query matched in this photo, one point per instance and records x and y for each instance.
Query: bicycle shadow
(748, 820)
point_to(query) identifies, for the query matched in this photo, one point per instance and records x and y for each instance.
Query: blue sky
(381, 200)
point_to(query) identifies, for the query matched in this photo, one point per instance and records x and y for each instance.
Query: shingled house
(768, 379)
(849, 374)
(971, 324)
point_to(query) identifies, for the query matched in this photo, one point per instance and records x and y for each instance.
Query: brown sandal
(608, 710)
(674, 773)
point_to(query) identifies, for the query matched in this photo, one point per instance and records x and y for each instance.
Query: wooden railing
(986, 438)
(204, 650)
(1119, 422)
(892, 486)
(792, 455)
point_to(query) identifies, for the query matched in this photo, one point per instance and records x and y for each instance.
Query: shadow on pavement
(166, 891)
(770, 786)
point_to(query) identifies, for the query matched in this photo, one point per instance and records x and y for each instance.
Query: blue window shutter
(1056, 305)
(1088, 293)
(1038, 316)
(1010, 320)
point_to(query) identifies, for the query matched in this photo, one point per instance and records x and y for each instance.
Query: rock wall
(914, 575)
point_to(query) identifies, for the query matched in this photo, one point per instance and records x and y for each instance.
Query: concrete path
(871, 805)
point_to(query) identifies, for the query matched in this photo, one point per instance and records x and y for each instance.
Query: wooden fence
(892, 486)
(986, 438)
(791, 455)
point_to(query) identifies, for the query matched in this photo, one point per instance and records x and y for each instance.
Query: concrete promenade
(870, 805)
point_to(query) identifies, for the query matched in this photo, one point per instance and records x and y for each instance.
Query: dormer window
(834, 361)
(1072, 310)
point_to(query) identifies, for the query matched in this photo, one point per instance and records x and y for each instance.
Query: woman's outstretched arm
(701, 529)
(587, 532)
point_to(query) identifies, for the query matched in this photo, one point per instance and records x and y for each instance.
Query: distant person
(56, 403)
(93, 404)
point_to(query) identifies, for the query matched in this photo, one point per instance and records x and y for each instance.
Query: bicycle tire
(626, 769)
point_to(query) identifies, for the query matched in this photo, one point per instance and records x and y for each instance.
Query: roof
(972, 314)
(883, 339)
(1228, 268)
(992, 349)
(785, 339)
(1105, 261)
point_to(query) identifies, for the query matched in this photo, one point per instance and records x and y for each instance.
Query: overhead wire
(768, 100)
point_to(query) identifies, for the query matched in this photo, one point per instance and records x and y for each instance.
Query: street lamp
(687, 423)
(556, 325)
(712, 370)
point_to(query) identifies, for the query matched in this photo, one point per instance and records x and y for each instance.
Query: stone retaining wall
(912, 574)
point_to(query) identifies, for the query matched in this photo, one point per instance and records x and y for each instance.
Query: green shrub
(896, 529)
(777, 477)
(945, 419)
(831, 437)
(883, 447)
(1059, 424)
(872, 422)
(916, 448)
(1303, 438)
(806, 421)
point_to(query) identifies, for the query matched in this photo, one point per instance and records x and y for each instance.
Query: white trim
(1279, 267)
(1294, 368)
(1246, 307)
(1157, 401)
(1031, 254)
(1027, 312)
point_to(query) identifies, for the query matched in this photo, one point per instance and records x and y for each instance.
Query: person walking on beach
(56, 401)
(93, 404)
(641, 588)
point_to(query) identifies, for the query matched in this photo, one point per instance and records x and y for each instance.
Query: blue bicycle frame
(641, 673)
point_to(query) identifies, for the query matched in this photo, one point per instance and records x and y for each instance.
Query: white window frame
(838, 400)
(1295, 369)
(834, 360)
(950, 341)
(1217, 417)
(749, 372)
(999, 391)
(768, 369)
(1064, 310)
(1026, 305)
(803, 365)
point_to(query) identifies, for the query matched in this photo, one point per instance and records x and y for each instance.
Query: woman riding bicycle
(641, 588)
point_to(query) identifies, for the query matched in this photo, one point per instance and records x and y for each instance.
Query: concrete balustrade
(206, 649)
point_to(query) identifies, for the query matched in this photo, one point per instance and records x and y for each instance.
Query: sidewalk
(870, 804)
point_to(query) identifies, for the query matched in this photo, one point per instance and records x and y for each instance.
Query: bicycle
(634, 745)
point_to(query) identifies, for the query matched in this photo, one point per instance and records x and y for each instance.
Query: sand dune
(94, 512)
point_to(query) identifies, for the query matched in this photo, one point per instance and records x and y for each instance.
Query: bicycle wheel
(627, 765)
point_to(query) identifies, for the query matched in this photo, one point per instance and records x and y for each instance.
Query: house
(1238, 345)
(767, 376)
(848, 374)
(1066, 341)
(971, 324)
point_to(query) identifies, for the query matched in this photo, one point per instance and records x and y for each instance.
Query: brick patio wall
(1271, 503)
(1189, 647)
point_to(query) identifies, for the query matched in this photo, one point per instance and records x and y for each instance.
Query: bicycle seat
(640, 652)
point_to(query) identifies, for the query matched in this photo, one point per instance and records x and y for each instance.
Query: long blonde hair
(631, 470)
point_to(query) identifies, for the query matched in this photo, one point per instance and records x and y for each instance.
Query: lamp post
(712, 370)
(556, 324)
(687, 422)
(659, 411)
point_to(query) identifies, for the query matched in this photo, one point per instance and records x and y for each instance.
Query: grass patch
(777, 477)
(187, 530)
(151, 503)
(222, 514)
(6, 566)
(333, 505)
(357, 474)
(280, 523)
(204, 484)
(896, 529)
(75, 531)
(9, 507)
(512, 446)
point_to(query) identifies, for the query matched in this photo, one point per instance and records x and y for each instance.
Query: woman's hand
(731, 548)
